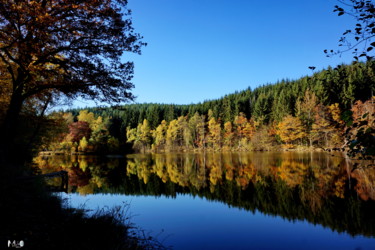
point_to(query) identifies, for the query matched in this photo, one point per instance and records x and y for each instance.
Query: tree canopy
(53, 48)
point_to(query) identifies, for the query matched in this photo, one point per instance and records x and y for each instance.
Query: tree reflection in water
(316, 187)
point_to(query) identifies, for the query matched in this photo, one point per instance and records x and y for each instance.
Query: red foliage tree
(78, 130)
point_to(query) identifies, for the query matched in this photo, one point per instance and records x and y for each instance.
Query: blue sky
(203, 49)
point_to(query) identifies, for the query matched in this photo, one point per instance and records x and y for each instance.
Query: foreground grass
(28, 212)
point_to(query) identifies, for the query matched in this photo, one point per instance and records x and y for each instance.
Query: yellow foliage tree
(198, 131)
(244, 129)
(335, 112)
(83, 143)
(159, 135)
(228, 135)
(290, 129)
(323, 126)
(214, 133)
(86, 116)
(172, 132)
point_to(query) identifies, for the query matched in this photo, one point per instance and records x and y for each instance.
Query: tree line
(314, 111)
(313, 125)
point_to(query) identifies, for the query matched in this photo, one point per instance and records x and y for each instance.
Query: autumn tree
(159, 135)
(250, 128)
(83, 143)
(338, 124)
(187, 135)
(305, 110)
(245, 130)
(100, 140)
(172, 134)
(68, 118)
(263, 139)
(322, 126)
(145, 133)
(140, 136)
(214, 133)
(183, 133)
(361, 135)
(334, 110)
(240, 122)
(290, 129)
(197, 128)
(133, 136)
(71, 49)
(100, 134)
(86, 116)
(78, 130)
(228, 136)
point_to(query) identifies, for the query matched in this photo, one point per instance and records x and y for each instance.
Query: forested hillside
(314, 111)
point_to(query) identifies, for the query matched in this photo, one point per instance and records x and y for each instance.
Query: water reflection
(316, 187)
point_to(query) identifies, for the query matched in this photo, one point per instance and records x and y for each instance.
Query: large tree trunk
(8, 129)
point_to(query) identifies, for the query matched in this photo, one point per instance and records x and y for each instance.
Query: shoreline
(39, 218)
(119, 155)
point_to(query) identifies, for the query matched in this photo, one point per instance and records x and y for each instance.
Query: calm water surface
(232, 201)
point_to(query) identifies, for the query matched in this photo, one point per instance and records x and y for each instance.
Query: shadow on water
(33, 218)
(316, 187)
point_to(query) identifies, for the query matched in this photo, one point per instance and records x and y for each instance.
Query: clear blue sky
(203, 49)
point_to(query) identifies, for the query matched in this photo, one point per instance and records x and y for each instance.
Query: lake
(260, 200)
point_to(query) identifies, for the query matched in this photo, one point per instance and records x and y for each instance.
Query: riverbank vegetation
(328, 110)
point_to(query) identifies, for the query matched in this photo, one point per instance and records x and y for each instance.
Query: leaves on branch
(357, 40)
(73, 48)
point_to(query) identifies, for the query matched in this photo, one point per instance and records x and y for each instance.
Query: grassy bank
(32, 214)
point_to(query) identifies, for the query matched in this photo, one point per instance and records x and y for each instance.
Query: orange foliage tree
(361, 135)
(71, 48)
(244, 129)
(290, 129)
(228, 135)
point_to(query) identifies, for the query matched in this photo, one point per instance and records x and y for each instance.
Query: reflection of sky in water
(195, 223)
